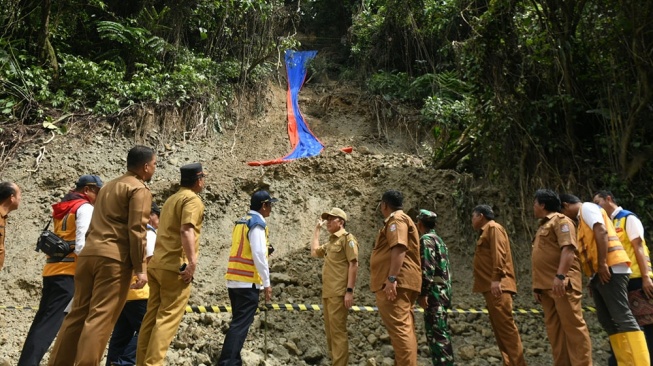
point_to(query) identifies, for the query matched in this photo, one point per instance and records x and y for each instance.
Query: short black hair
(569, 198)
(549, 199)
(393, 199)
(6, 190)
(604, 193)
(484, 210)
(138, 156)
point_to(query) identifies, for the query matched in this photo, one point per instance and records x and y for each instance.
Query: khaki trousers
(165, 308)
(335, 327)
(505, 330)
(399, 321)
(101, 286)
(566, 328)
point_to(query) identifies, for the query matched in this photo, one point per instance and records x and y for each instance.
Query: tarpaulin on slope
(302, 140)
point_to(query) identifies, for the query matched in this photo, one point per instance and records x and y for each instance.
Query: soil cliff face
(46, 170)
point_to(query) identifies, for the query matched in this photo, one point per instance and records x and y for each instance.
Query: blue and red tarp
(303, 141)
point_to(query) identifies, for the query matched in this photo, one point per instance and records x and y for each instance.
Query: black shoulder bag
(52, 245)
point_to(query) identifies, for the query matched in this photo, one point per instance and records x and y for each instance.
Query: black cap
(89, 180)
(155, 209)
(260, 197)
(191, 172)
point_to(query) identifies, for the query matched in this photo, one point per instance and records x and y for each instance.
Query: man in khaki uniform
(396, 276)
(557, 283)
(172, 267)
(115, 248)
(9, 200)
(338, 280)
(494, 277)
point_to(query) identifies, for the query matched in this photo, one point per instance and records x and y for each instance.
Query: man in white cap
(338, 280)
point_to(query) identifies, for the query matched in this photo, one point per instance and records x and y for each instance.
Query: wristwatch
(349, 289)
(561, 277)
(392, 279)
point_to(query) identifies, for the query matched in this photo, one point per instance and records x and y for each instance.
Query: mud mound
(306, 188)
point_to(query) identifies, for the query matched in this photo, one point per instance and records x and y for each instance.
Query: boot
(630, 349)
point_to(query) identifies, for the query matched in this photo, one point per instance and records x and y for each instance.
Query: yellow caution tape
(312, 307)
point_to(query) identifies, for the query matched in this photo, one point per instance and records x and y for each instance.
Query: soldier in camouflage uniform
(435, 297)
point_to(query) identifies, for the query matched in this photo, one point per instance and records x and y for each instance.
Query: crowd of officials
(128, 276)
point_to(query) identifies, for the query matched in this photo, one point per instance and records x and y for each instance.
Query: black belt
(57, 260)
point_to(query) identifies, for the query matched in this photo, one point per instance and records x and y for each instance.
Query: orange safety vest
(620, 227)
(587, 246)
(64, 215)
(241, 264)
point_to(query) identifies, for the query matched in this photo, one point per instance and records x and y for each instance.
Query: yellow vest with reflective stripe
(587, 246)
(620, 228)
(241, 265)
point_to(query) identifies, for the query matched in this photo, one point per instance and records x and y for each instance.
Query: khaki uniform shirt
(119, 223)
(493, 259)
(3, 223)
(555, 232)
(398, 229)
(341, 249)
(183, 207)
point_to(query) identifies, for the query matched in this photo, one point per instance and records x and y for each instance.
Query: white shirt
(151, 240)
(257, 243)
(591, 214)
(634, 227)
(82, 221)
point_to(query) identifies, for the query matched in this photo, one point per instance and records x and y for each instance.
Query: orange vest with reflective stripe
(587, 246)
(65, 228)
(241, 265)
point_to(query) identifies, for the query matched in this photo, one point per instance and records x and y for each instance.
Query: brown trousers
(335, 327)
(566, 328)
(399, 321)
(101, 286)
(165, 308)
(504, 327)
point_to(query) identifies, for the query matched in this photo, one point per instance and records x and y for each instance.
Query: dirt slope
(307, 187)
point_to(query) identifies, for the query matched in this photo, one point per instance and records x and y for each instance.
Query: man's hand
(604, 273)
(141, 280)
(647, 287)
(267, 291)
(188, 273)
(390, 290)
(423, 301)
(495, 288)
(558, 287)
(349, 299)
(320, 223)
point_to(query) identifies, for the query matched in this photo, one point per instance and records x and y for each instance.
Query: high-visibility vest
(241, 265)
(63, 218)
(587, 246)
(620, 227)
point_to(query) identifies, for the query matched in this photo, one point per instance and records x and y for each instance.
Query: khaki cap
(335, 212)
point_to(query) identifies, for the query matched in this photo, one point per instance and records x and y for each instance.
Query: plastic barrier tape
(312, 307)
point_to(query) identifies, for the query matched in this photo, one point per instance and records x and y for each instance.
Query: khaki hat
(335, 212)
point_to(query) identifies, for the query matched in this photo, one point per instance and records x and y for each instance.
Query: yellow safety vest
(620, 227)
(241, 265)
(587, 246)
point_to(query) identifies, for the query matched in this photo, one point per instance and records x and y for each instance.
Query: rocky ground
(380, 160)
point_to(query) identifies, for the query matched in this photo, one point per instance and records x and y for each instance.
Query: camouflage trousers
(438, 333)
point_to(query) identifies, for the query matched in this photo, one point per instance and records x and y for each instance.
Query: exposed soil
(383, 157)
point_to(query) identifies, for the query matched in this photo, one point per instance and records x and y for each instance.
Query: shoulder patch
(564, 228)
(393, 227)
(351, 244)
